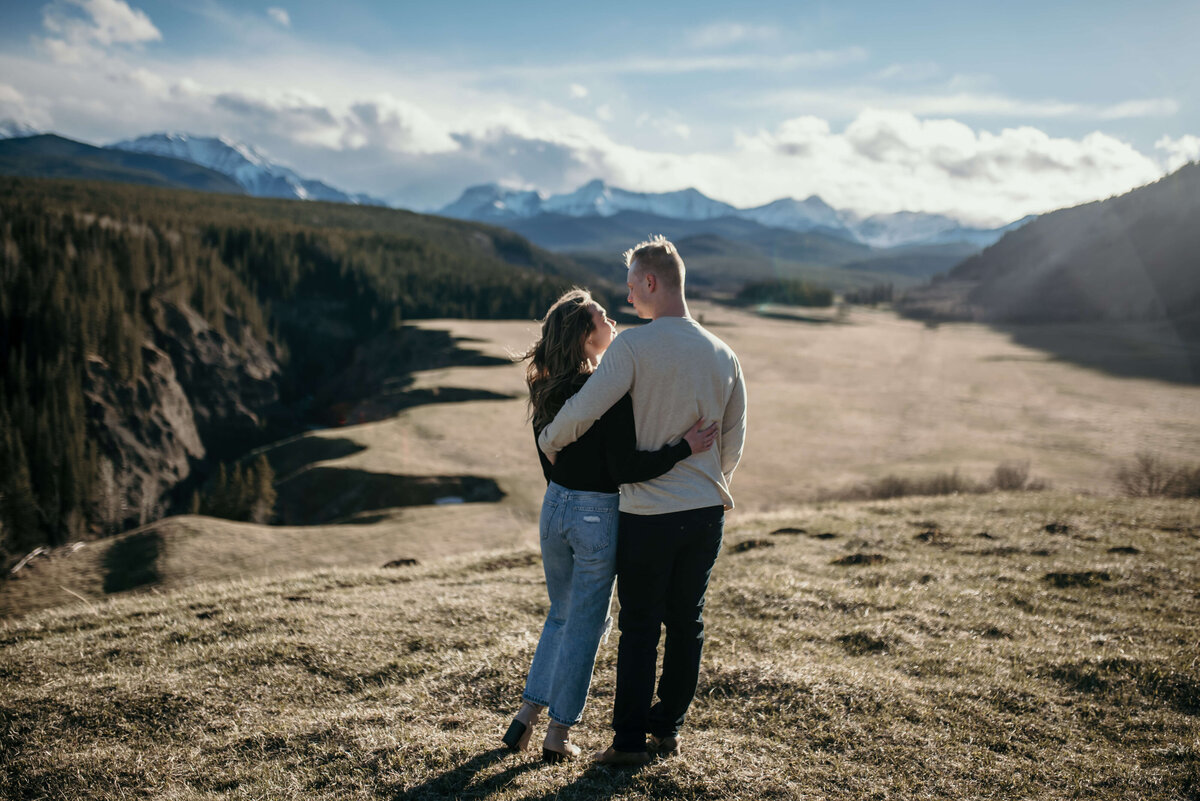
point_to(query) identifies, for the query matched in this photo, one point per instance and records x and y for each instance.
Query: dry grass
(1007, 477)
(1037, 646)
(875, 401)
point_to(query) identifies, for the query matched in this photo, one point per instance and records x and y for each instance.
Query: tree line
(788, 291)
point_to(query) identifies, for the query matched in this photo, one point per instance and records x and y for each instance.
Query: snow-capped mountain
(15, 129)
(597, 198)
(912, 227)
(493, 203)
(489, 202)
(247, 166)
(799, 215)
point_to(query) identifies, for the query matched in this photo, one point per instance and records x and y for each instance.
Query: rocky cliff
(200, 391)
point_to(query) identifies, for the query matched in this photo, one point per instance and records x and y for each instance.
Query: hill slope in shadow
(1127, 262)
(50, 156)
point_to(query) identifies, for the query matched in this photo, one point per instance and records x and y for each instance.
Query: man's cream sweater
(677, 373)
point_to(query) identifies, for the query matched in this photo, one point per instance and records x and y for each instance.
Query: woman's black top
(607, 455)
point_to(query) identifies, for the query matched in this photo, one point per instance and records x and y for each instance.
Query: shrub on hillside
(237, 494)
(1149, 475)
(1007, 477)
(870, 296)
(1014, 477)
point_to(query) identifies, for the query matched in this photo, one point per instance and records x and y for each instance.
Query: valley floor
(834, 401)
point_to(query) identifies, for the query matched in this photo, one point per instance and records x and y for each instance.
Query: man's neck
(672, 308)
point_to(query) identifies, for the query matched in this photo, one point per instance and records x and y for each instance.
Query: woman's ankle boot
(521, 728)
(558, 746)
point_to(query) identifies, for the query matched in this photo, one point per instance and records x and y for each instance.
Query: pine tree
(263, 510)
(217, 501)
(239, 495)
(20, 510)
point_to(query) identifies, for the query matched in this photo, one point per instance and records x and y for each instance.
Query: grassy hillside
(1012, 646)
(50, 156)
(833, 404)
(1128, 258)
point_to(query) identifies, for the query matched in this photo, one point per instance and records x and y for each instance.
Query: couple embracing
(622, 421)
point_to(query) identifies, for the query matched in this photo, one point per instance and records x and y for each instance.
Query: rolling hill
(1120, 273)
(51, 156)
(1132, 258)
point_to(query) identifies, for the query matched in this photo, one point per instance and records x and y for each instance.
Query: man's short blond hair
(658, 256)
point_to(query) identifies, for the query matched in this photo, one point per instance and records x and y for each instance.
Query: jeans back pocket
(592, 528)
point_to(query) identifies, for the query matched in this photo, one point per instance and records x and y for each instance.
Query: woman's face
(604, 330)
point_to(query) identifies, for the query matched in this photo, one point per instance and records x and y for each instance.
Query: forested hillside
(145, 330)
(50, 156)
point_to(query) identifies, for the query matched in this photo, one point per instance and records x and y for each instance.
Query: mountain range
(248, 171)
(596, 199)
(258, 176)
(253, 171)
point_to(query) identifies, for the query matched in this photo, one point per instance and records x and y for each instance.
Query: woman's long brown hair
(557, 361)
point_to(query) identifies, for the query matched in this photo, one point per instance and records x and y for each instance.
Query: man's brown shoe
(666, 746)
(612, 756)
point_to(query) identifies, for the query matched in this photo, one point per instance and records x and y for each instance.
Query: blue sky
(985, 112)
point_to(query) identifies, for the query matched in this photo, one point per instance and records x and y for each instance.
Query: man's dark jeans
(663, 565)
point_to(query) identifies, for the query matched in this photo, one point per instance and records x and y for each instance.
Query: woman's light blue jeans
(579, 555)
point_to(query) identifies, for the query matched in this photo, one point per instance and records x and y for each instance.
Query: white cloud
(19, 112)
(1153, 107)
(725, 34)
(848, 101)
(921, 71)
(10, 96)
(77, 39)
(1179, 151)
(369, 127)
(892, 161)
(280, 15)
(395, 125)
(681, 65)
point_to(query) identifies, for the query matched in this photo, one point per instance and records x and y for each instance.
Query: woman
(579, 517)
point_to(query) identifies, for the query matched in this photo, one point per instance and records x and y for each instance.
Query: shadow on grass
(389, 404)
(132, 562)
(327, 494)
(456, 783)
(797, 318)
(1166, 351)
(294, 454)
(597, 781)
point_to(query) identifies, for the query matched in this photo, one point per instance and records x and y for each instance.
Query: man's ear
(651, 281)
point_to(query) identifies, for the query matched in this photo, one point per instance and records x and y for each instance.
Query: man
(670, 527)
